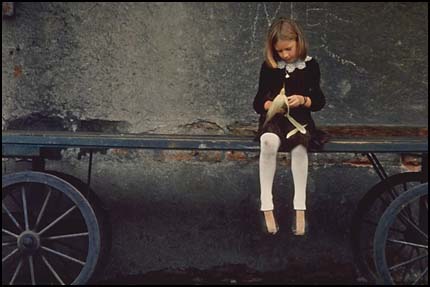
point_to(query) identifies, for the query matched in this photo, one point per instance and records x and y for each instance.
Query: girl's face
(287, 50)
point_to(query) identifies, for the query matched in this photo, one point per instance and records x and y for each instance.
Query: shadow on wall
(48, 122)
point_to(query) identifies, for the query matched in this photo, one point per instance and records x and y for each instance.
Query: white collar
(290, 67)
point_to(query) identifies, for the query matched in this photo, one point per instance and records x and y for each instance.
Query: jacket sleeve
(263, 90)
(315, 92)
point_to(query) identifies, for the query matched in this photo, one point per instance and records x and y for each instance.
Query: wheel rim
(50, 234)
(402, 257)
(368, 213)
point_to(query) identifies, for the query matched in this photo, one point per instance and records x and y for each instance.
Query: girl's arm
(261, 98)
(316, 98)
(307, 102)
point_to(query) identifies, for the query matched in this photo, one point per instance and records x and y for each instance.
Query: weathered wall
(193, 68)
(161, 67)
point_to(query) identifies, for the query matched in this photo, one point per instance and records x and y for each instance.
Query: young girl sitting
(289, 71)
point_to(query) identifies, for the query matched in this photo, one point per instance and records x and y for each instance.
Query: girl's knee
(300, 150)
(269, 143)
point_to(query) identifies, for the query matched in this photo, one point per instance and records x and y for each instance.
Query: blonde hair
(284, 29)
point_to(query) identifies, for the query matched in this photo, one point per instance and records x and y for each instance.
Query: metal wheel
(50, 233)
(368, 213)
(401, 239)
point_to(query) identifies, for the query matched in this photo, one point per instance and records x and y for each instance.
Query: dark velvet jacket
(305, 82)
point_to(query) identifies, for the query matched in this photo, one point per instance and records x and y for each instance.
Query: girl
(287, 69)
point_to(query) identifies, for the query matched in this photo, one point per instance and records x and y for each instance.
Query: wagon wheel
(401, 239)
(50, 233)
(369, 211)
(102, 215)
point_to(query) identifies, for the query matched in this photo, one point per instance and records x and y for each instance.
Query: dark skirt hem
(314, 139)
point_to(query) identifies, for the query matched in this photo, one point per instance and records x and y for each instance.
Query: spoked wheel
(368, 213)
(401, 239)
(50, 233)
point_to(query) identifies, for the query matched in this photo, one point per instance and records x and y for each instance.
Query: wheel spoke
(42, 210)
(16, 272)
(421, 262)
(69, 246)
(405, 271)
(408, 243)
(421, 276)
(58, 219)
(63, 255)
(407, 221)
(30, 263)
(4, 244)
(24, 207)
(66, 236)
(11, 217)
(9, 255)
(397, 251)
(52, 270)
(414, 226)
(392, 268)
(9, 233)
(404, 219)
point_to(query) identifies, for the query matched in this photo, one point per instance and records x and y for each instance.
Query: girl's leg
(299, 168)
(270, 143)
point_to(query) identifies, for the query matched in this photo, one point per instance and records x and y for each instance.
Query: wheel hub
(28, 241)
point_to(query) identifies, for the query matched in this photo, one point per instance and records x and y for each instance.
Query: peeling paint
(17, 71)
(345, 87)
(202, 127)
(8, 9)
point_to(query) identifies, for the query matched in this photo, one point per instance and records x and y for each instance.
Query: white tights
(270, 143)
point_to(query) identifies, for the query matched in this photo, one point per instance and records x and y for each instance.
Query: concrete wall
(193, 68)
(162, 67)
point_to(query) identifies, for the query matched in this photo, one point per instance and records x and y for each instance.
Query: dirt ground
(241, 275)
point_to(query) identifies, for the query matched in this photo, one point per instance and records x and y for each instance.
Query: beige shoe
(299, 223)
(271, 225)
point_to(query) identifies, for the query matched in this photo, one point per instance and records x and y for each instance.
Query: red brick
(236, 155)
(411, 163)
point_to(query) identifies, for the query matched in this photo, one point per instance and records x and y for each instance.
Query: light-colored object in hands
(280, 105)
(270, 222)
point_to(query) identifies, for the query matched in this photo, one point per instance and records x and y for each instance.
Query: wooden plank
(20, 150)
(198, 142)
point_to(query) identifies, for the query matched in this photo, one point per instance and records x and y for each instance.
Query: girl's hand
(295, 101)
(267, 105)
